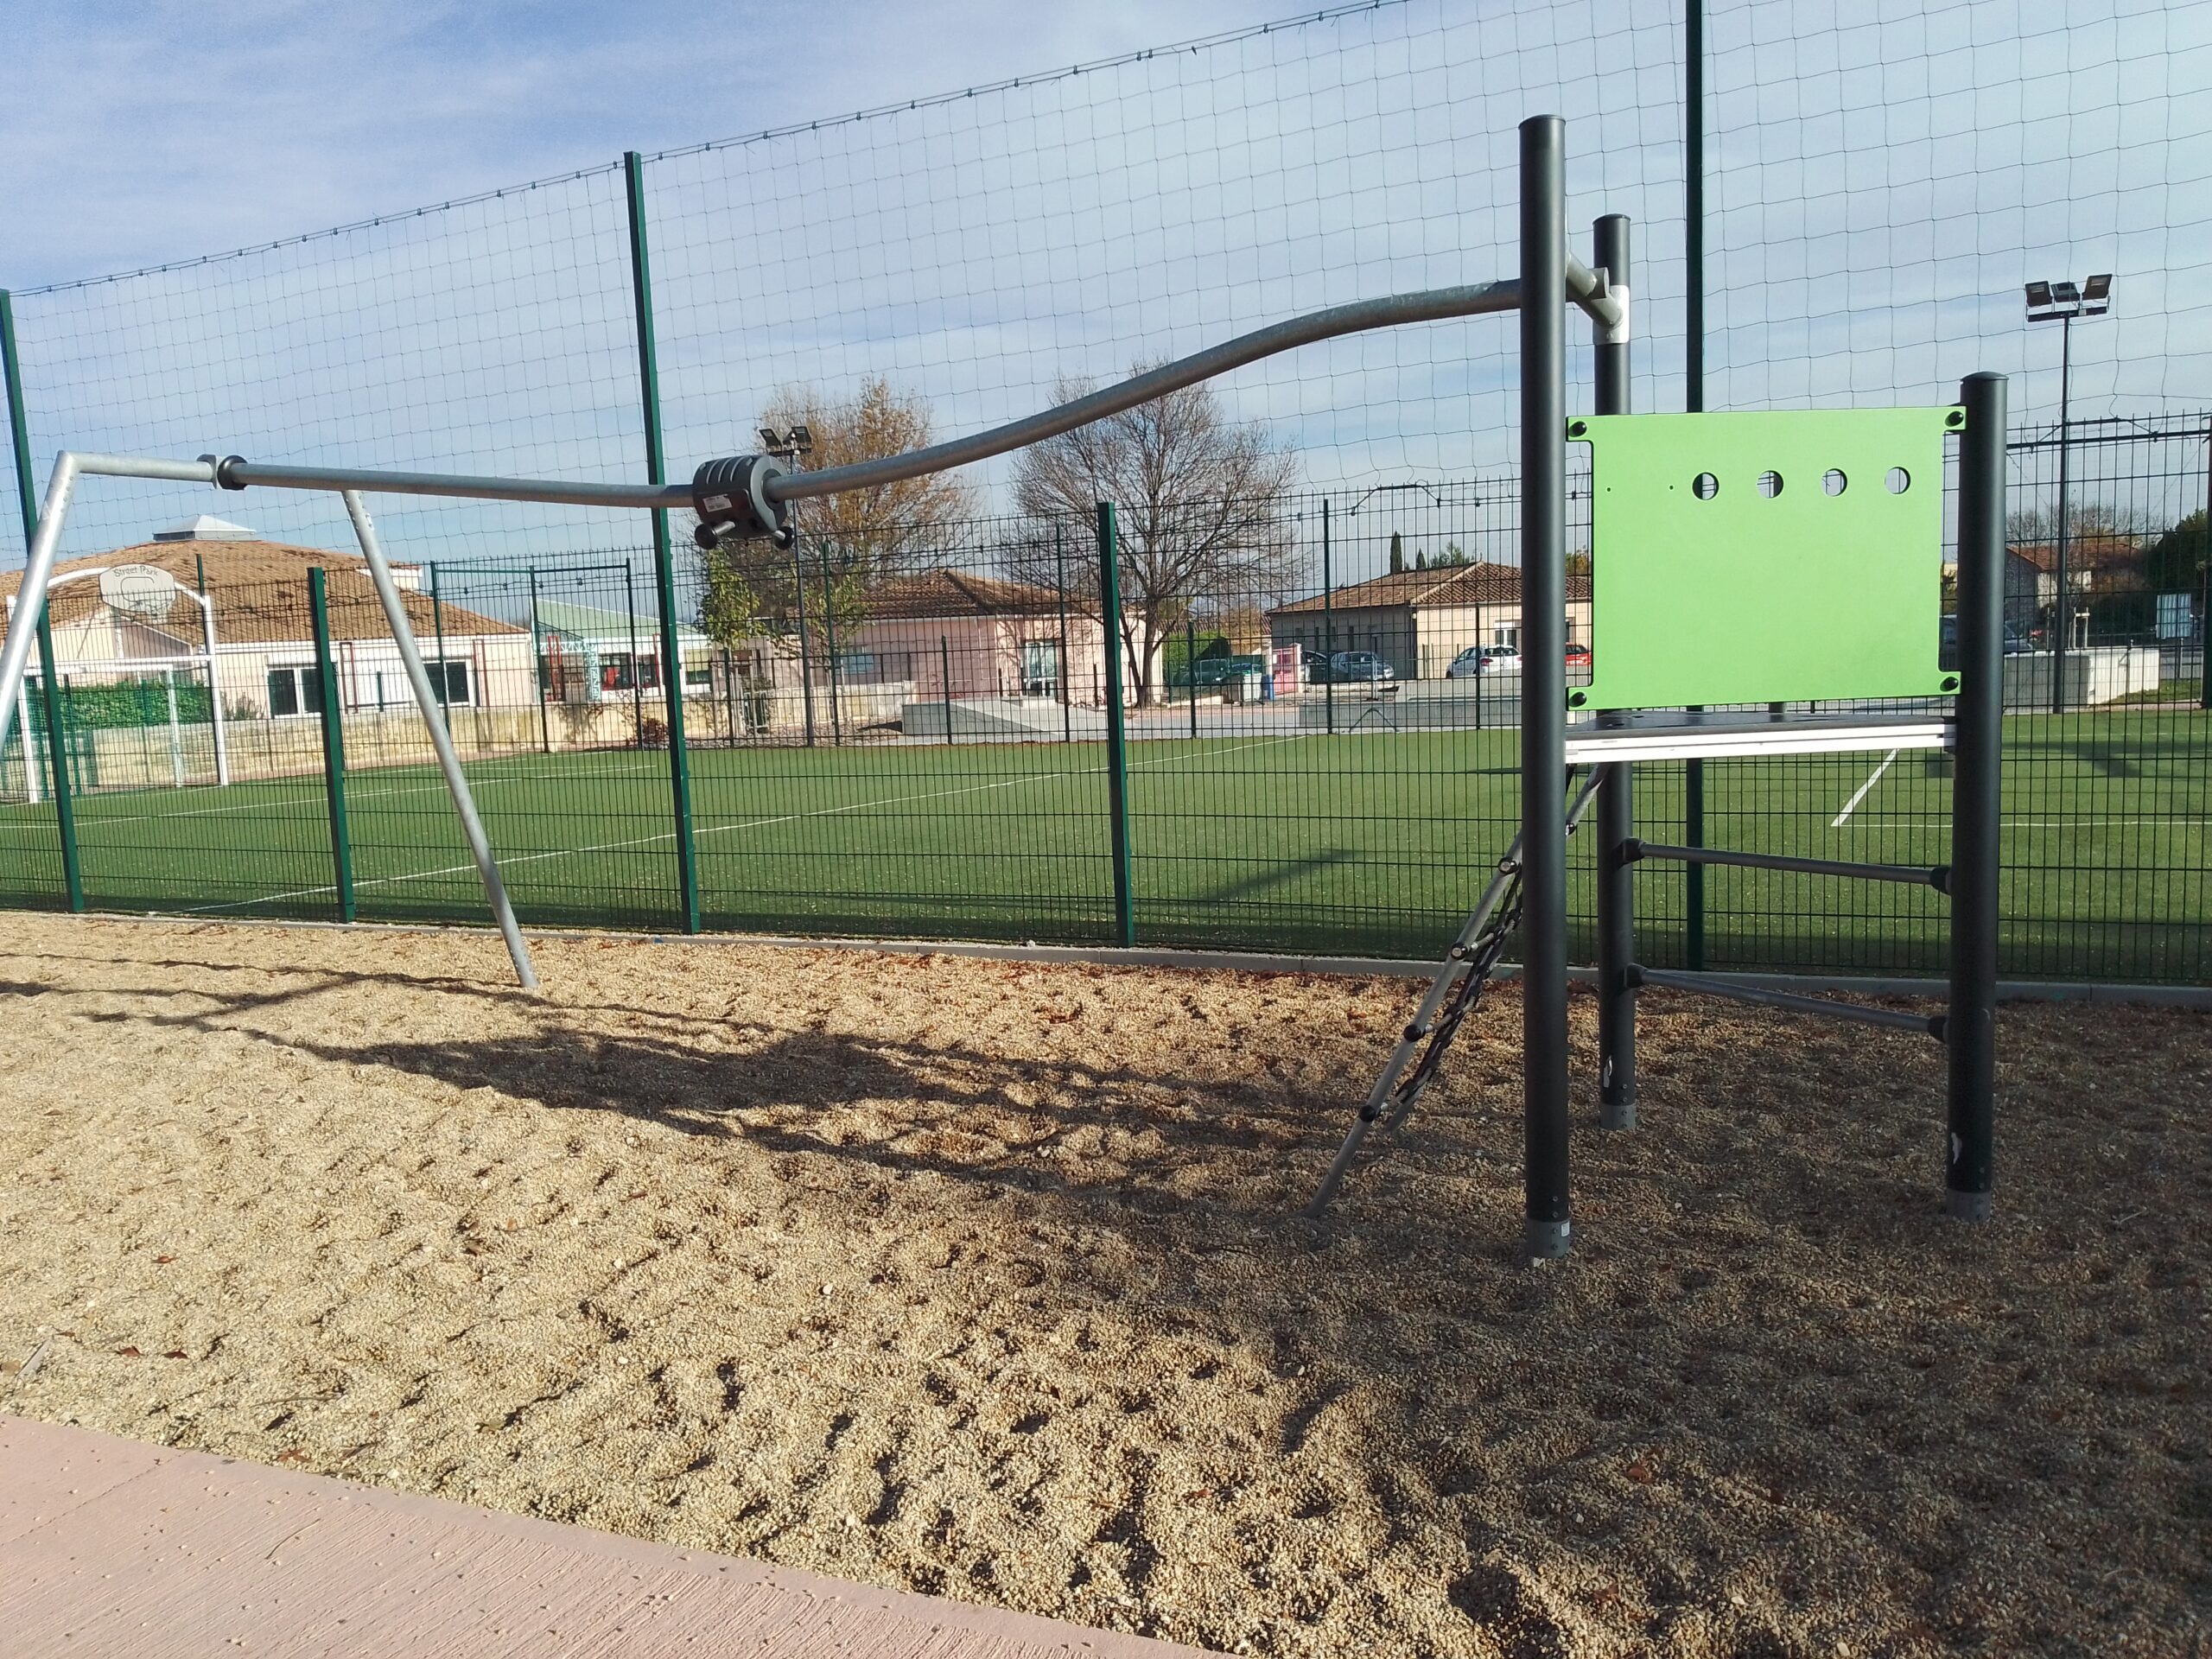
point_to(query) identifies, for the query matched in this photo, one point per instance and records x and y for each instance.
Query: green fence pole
(537, 666)
(65, 811)
(1191, 671)
(1117, 748)
(679, 753)
(1060, 579)
(2204, 622)
(805, 673)
(333, 744)
(637, 668)
(829, 627)
(944, 672)
(1328, 629)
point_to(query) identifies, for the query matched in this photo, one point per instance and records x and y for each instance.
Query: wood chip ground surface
(986, 1280)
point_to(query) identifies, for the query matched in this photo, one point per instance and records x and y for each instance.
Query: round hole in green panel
(1955, 417)
(1576, 699)
(1577, 429)
(1950, 682)
(1704, 486)
(1769, 484)
(1833, 482)
(1899, 480)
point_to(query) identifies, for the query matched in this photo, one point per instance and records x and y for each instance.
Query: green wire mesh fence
(902, 727)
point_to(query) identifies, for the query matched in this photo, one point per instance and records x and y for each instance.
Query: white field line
(354, 792)
(1852, 806)
(510, 862)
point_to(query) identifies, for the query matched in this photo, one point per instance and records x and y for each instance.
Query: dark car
(2015, 643)
(1356, 668)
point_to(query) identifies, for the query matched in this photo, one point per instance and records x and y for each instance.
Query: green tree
(1397, 554)
(2175, 563)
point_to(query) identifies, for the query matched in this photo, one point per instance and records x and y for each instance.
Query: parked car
(1484, 659)
(1577, 655)
(1356, 668)
(2016, 643)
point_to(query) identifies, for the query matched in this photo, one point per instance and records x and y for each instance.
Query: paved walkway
(110, 1547)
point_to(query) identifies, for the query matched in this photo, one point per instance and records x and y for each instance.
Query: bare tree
(848, 542)
(877, 532)
(1202, 504)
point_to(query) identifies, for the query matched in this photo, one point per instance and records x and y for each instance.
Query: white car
(1484, 659)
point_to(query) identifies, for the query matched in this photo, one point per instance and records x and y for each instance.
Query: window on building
(1506, 634)
(450, 681)
(1040, 668)
(294, 691)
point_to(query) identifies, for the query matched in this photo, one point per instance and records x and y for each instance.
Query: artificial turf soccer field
(1363, 843)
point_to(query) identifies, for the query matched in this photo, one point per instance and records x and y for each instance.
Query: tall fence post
(1060, 579)
(1970, 1026)
(636, 667)
(1693, 401)
(2204, 622)
(829, 630)
(65, 811)
(1117, 736)
(945, 678)
(333, 744)
(1328, 630)
(1616, 802)
(671, 651)
(1191, 670)
(805, 673)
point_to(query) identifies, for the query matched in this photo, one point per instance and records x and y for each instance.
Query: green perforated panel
(1830, 589)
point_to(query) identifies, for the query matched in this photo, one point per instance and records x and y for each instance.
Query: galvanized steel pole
(433, 721)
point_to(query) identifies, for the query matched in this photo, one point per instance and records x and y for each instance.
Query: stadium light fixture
(2061, 303)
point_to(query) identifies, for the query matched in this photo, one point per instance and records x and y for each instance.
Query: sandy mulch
(986, 1280)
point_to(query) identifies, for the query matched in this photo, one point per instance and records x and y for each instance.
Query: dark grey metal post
(1543, 681)
(1117, 736)
(1616, 804)
(1693, 401)
(1970, 1030)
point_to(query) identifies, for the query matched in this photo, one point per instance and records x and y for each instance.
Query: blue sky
(140, 133)
(1882, 176)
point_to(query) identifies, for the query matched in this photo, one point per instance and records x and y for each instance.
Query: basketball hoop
(145, 591)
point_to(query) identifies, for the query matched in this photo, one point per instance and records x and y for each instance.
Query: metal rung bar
(1936, 876)
(1705, 985)
(1610, 745)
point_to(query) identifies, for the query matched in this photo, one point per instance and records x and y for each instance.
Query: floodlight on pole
(2061, 302)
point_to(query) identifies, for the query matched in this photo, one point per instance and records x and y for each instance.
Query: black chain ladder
(1482, 955)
